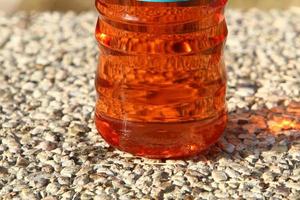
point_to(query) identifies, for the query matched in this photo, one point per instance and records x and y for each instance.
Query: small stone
(220, 195)
(68, 172)
(47, 146)
(252, 158)
(41, 182)
(76, 128)
(268, 177)
(223, 186)
(10, 124)
(39, 116)
(37, 76)
(38, 130)
(81, 180)
(233, 185)
(294, 196)
(294, 107)
(231, 173)
(85, 169)
(21, 174)
(242, 121)
(102, 197)
(22, 162)
(282, 190)
(29, 86)
(43, 156)
(275, 169)
(64, 180)
(45, 85)
(61, 75)
(67, 163)
(42, 61)
(296, 172)
(25, 139)
(229, 148)
(51, 137)
(169, 188)
(251, 128)
(3, 171)
(164, 176)
(245, 136)
(37, 94)
(259, 121)
(50, 198)
(12, 144)
(68, 195)
(280, 148)
(27, 194)
(244, 92)
(48, 169)
(293, 185)
(219, 176)
(52, 188)
(226, 146)
(269, 140)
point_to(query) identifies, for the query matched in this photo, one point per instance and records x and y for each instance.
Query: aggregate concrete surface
(49, 148)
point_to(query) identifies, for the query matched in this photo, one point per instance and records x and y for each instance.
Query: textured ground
(49, 147)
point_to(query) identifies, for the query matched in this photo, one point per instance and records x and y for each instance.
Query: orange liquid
(161, 79)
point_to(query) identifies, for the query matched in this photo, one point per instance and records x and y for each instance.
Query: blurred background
(81, 5)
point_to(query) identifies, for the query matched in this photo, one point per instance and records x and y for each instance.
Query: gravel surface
(49, 148)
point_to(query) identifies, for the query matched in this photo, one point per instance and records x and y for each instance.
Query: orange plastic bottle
(161, 79)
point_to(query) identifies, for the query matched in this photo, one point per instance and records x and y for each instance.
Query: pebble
(231, 173)
(61, 75)
(51, 137)
(293, 185)
(280, 148)
(226, 146)
(37, 76)
(102, 197)
(42, 61)
(38, 130)
(50, 198)
(244, 92)
(12, 144)
(3, 171)
(68, 195)
(63, 180)
(219, 176)
(48, 169)
(68, 171)
(282, 190)
(52, 188)
(43, 156)
(22, 162)
(81, 180)
(41, 182)
(27, 194)
(77, 128)
(47, 146)
(29, 86)
(268, 177)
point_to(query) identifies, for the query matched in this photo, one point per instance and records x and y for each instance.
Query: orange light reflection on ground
(284, 124)
(287, 119)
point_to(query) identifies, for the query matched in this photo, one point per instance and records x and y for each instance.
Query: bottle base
(161, 140)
